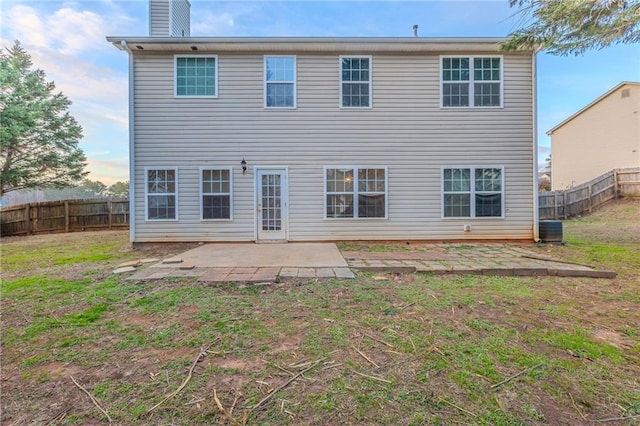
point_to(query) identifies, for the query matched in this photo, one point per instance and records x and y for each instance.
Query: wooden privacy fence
(584, 198)
(81, 215)
(64, 216)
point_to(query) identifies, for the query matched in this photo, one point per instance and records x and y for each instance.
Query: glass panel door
(271, 198)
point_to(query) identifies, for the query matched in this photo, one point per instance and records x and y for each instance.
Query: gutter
(397, 45)
(132, 187)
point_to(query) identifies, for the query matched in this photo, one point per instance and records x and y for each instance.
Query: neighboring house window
(216, 193)
(196, 76)
(355, 82)
(280, 81)
(471, 81)
(161, 193)
(356, 192)
(473, 192)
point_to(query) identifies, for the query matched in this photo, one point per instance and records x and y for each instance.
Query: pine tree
(39, 138)
(563, 27)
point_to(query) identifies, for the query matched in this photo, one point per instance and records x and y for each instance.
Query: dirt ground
(381, 349)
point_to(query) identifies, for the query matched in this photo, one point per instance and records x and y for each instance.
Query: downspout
(534, 92)
(132, 180)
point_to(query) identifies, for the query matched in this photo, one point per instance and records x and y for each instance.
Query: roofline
(571, 117)
(313, 44)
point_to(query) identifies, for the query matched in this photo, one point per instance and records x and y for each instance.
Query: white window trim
(355, 192)
(175, 77)
(202, 194)
(472, 193)
(295, 81)
(146, 193)
(471, 81)
(370, 80)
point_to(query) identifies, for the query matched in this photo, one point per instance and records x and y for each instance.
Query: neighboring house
(310, 139)
(602, 136)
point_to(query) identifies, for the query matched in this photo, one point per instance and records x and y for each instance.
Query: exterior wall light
(243, 163)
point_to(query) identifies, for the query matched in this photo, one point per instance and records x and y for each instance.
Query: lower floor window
(473, 192)
(356, 192)
(216, 193)
(161, 191)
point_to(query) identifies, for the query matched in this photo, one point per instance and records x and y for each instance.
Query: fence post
(590, 187)
(615, 184)
(66, 216)
(109, 209)
(27, 214)
(34, 228)
(555, 205)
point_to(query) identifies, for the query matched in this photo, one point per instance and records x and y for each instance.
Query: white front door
(271, 198)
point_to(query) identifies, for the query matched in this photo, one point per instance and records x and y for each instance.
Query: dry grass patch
(411, 349)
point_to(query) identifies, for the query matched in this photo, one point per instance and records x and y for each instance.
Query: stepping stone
(141, 275)
(306, 273)
(159, 275)
(187, 266)
(265, 274)
(504, 272)
(172, 260)
(216, 275)
(124, 270)
(186, 273)
(150, 260)
(343, 273)
(245, 270)
(289, 272)
(325, 273)
(239, 278)
(530, 272)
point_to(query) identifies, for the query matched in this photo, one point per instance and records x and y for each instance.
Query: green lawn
(412, 349)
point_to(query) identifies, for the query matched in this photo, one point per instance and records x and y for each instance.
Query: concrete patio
(257, 263)
(253, 263)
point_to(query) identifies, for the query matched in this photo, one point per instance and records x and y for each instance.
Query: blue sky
(67, 40)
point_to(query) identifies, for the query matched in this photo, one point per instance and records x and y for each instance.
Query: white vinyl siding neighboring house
(395, 151)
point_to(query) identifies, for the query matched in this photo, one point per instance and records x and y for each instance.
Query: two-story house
(602, 136)
(309, 139)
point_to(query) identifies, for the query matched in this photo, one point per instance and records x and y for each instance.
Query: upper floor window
(355, 82)
(280, 81)
(472, 81)
(356, 192)
(161, 193)
(196, 76)
(472, 192)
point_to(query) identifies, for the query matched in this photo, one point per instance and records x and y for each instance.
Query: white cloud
(208, 23)
(67, 30)
(109, 171)
(23, 23)
(76, 31)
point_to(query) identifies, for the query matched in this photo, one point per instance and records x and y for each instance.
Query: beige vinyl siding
(406, 131)
(159, 20)
(602, 137)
